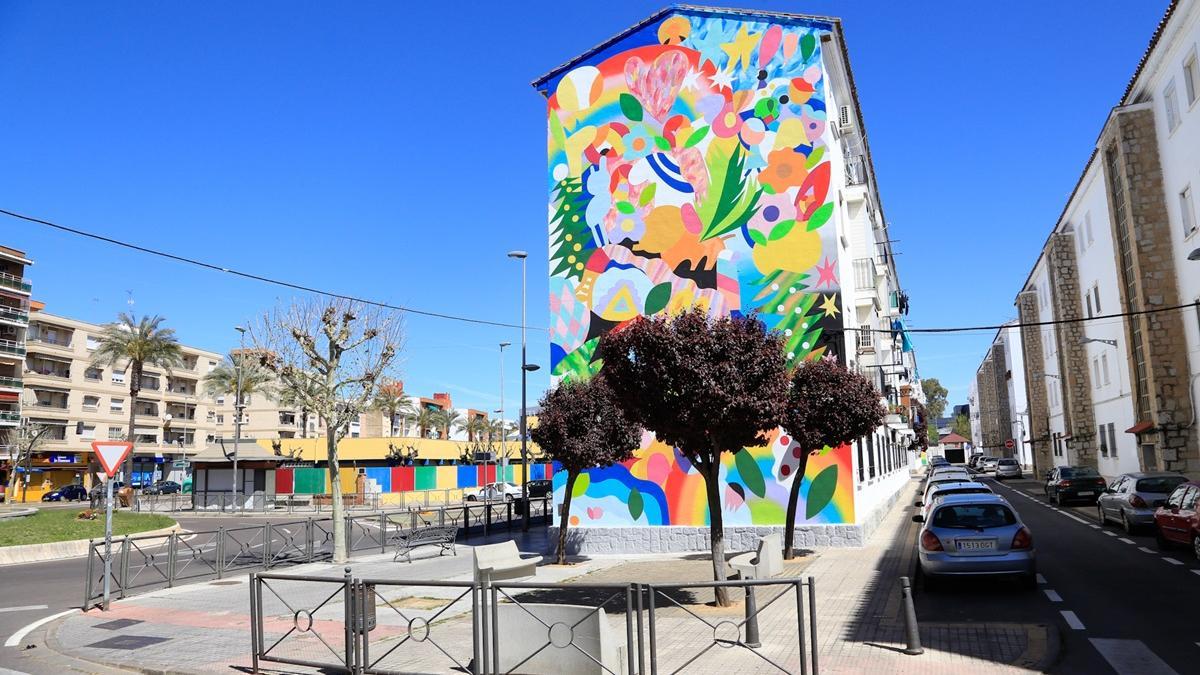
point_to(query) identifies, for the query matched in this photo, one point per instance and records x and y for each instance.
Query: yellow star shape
(741, 47)
(830, 306)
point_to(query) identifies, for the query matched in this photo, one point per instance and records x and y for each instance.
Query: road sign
(1008, 445)
(111, 454)
(180, 464)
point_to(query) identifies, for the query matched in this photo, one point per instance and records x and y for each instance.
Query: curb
(55, 550)
(18, 513)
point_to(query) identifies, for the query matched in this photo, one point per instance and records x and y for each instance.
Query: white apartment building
(14, 319)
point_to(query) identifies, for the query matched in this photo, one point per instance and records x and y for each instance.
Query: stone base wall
(681, 539)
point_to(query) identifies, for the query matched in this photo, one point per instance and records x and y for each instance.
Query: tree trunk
(789, 533)
(565, 519)
(303, 423)
(716, 528)
(340, 554)
(135, 388)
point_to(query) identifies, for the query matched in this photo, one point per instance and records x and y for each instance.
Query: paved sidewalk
(205, 627)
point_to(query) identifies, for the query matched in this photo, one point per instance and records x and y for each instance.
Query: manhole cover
(232, 582)
(118, 624)
(128, 642)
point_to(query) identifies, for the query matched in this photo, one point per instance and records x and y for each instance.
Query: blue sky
(396, 151)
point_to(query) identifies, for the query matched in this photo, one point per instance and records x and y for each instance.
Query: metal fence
(263, 502)
(351, 625)
(146, 562)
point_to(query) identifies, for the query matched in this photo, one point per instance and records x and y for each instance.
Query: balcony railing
(10, 382)
(866, 340)
(856, 170)
(864, 274)
(8, 314)
(11, 347)
(51, 405)
(50, 372)
(10, 416)
(53, 342)
(15, 282)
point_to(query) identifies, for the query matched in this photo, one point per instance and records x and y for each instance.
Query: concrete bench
(765, 563)
(437, 535)
(502, 561)
(575, 632)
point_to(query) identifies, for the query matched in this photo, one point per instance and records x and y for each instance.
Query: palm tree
(448, 418)
(256, 379)
(477, 427)
(390, 399)
(140, 343)
(294, 398)
(425, 420)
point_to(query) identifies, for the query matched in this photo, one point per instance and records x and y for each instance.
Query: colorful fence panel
(283, 481)
(382, 475)
(402, 478)
(309, 481)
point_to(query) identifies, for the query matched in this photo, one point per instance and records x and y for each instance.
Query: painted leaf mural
(689, 166)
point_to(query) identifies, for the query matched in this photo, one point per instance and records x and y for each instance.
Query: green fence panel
(426, 478)
(309, 481)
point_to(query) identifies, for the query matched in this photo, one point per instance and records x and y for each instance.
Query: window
(220, 419)
(1112, 438)
(1191, 78)
(1189, 500)
(88, 431)
(93, 374)
(1171, 103)
(221, 400)
(118, 377)
(93, 343)
(1104, 367)
(1187, 212)
(1096, 370)
(116, 405)
(1089, 304)
(1087, 227)
(91, 403)
(1096, 297)
(1103, 442)
(116, 433)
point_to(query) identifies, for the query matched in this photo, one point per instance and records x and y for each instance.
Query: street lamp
(525, 368)
(501, 410)
(238, 406)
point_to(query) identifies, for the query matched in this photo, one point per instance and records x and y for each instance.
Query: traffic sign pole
(107, 540)
(110, 455)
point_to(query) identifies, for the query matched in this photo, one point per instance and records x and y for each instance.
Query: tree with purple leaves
(581, 426)
(705, 386)
(827, 406)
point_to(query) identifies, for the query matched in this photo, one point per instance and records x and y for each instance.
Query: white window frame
(1171, 105)
(116, 405)
(1187, 210)
(1096, 371)
(1191, 77)
(118, 377)
(1087, 226)
(1104, 368)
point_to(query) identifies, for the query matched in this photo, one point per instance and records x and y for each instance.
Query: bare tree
(332, 355)
(23, 442)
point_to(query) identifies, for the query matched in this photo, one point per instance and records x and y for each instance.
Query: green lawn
(50, 525)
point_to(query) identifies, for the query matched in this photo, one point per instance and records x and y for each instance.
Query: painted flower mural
(689, 165)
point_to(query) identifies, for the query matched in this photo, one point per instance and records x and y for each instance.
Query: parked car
(975, 534)
(1132, 498)
(1007, 467)
(539, 488)
(496, 492)
(950, 471)
(938, 460)
(163, 487)
(66, 493)
(1074, 482)
(1176, 521)
(939, 482)
(989, 464)
(98, 490)
(973, 460)
(937, 492)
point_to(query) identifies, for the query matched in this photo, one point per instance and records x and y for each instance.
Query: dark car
(66, 493)
(539, 488)
(1074, 482)
(98, 490)
(1177, 522)
(163, 487)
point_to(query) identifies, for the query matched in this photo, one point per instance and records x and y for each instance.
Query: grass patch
(49, 525)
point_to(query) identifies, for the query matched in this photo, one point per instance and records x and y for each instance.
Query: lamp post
(525, 369)
(501, 410)
(238, 406)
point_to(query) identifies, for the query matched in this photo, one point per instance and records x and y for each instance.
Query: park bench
(502, 561)
(764, 563)
(437, 535)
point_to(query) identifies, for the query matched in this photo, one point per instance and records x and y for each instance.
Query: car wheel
(1125, 524)
(1196, 545)
(1100, 517)
(471, 498)
(508, 498)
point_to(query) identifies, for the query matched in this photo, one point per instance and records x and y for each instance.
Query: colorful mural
(689, 165)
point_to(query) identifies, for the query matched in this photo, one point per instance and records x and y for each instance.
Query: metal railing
(14, 315)
(374, 625)
(11, 382)
(864, 274)
(311, 503)
(856, 170)
(12, 347)
(15, 282)
(147, 562)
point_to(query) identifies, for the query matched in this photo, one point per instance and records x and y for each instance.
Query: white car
(493, 492)
(935, 493)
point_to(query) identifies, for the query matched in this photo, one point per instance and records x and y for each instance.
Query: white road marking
(1197, 573)
(1125, 541)
(1052, 595)
(1131, 657)
(21, 609)
(1041, 579)
(15, 638)
(1111, 534)
(1172, 560)
(1076, 518)
(1094, 527)
(1072, 620)
(1143, 549)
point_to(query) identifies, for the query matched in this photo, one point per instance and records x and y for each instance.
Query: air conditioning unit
(845, 119)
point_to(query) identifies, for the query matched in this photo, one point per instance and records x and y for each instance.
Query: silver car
(972, 535)
(1132, 498)
(1008, 468)
(988, 465)
(935, 494)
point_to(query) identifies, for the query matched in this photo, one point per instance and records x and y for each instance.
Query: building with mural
(718, 158)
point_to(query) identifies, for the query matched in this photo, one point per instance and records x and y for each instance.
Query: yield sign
(111, 454)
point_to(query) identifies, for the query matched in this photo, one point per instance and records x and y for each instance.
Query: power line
(1031, 324)
(256, 277)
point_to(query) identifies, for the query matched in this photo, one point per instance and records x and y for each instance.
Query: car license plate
(1089, 493)
(976, 544)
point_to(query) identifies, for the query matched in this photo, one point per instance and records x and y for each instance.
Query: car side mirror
(918, 519)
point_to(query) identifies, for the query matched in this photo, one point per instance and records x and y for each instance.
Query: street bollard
(752, 639)
(912, 635)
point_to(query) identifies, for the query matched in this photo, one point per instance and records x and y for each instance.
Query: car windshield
(963, 491)
(1163, 484)
(973, 516)
(1008, 462)
(1078, 472)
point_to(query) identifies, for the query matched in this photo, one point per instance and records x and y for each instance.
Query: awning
(1140, 427)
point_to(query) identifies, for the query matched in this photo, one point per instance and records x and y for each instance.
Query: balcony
(14, 316)
(44, 370)
(287, 419)
(856, 170)
(12, 347)
(10, 383)
(10, 418)
(14, 282)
